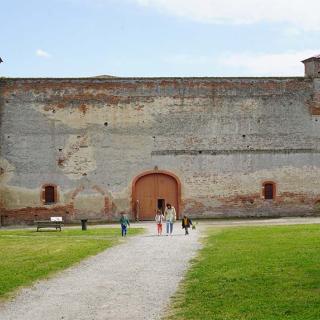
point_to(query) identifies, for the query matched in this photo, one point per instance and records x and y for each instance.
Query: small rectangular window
(49, 195)
(268, 191)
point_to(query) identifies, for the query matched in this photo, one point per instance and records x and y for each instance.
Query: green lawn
(256, 273)
(27, 255)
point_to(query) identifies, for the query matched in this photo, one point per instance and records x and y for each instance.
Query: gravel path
(133, 280)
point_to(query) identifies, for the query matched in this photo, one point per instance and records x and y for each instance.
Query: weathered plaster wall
(223, 137)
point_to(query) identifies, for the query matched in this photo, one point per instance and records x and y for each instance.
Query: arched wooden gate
(152, 190)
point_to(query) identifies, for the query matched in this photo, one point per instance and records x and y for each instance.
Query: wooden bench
(49, 224)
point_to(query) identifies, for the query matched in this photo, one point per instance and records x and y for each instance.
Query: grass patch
(27, 255)
(256, 273)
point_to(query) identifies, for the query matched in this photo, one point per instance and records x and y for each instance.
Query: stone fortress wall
(223, 138)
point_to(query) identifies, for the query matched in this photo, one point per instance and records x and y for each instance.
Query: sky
(158, 38)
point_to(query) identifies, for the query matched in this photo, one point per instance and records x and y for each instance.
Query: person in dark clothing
(186, 223)
(124, 222)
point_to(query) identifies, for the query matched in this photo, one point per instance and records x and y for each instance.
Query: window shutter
(268, 191)
(49, 194)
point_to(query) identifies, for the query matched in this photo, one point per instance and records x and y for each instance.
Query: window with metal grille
(268, 191)
(49, 194)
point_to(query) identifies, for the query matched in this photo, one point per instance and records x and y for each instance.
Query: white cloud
(300, 13)
(43, 54)
(242, 63)
(267, 64)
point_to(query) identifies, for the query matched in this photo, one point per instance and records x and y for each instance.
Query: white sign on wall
(56, 219)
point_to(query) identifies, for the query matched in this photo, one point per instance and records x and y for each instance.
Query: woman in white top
(170, 217)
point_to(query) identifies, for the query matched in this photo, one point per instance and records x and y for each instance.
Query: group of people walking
(168, 217)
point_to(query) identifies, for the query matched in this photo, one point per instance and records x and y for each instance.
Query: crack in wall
(77, 159)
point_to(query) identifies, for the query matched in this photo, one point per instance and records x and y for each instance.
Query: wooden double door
(153, 191)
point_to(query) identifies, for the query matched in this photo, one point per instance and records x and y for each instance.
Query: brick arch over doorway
(152, 190)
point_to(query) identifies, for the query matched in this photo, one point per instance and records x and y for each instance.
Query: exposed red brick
(29, 214)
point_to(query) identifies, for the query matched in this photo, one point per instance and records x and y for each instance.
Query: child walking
(186, 223)
(159, 219)
(124, 222)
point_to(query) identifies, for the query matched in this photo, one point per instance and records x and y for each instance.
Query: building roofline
(316, 57)
(115, 79)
